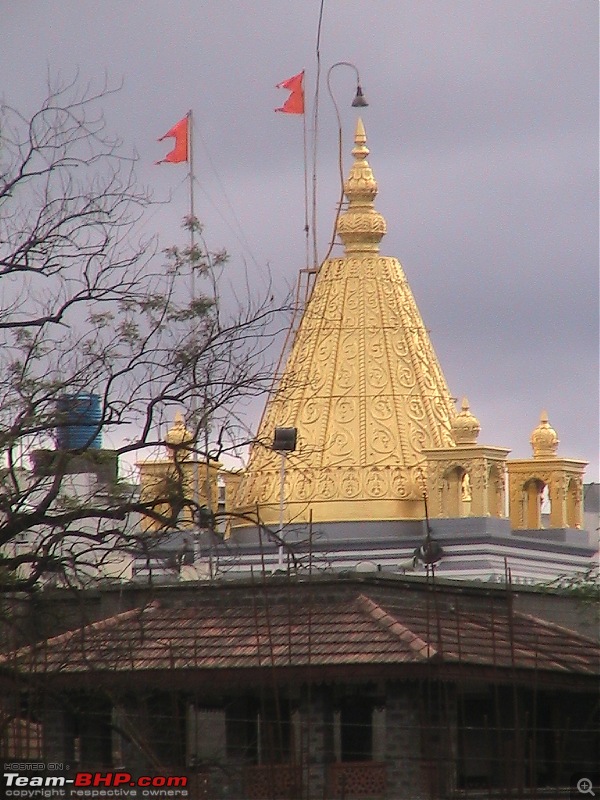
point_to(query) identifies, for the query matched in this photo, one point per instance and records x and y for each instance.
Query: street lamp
(284, 441)
(358, 102)
(359, 98)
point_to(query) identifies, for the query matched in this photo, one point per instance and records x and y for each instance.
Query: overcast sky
(483, 131)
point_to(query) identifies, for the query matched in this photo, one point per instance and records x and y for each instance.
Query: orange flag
(179, 132)
(295, 102)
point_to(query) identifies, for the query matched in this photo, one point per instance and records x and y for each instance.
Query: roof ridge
(533, 649)
(66, 636)
(555, 626)
(385, 620)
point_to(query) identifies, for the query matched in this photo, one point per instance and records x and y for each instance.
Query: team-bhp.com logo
(90, 780)
(125, 779)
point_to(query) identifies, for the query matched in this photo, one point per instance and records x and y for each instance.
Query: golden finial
(544, 439)
(361, 227)
(177, 439)
(360, 141)
(465, 426)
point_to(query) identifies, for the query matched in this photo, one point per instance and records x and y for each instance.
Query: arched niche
(495, 492)
(456, 495)
(533, 491)
(546, 508)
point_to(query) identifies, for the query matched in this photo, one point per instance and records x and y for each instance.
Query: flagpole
(192, 229)
(191, 177)
(306, 222)
(207, 486)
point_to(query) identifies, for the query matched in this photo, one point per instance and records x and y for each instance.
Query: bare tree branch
(87, 306)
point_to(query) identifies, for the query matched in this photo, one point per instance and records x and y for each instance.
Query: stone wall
(405, 780)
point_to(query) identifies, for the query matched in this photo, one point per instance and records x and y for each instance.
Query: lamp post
(358, 102)
(359, 98)
(284, 442)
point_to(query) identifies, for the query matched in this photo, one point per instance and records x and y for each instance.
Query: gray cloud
(483, 130)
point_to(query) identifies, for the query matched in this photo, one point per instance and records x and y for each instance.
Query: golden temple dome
(544, 439)
(362, 386)
(465, 426)
(177, 438)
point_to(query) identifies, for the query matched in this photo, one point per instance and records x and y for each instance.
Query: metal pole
(281, 501)
(191, 177)
(192, 229)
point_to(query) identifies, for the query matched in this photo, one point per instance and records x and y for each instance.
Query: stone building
(339, 687)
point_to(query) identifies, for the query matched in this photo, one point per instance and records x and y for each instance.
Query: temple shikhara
(385, 473)
(362, 385)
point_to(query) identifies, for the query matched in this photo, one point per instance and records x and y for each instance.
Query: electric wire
(240, 235)
(316, 135)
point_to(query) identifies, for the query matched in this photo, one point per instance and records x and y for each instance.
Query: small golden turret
(178, 439)
(166, 483)
(467, 479)
(544, 439)
(561, 479)
(465, 426)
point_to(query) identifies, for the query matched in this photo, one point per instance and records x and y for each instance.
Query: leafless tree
(87, 305)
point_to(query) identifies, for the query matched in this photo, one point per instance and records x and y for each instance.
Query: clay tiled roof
(361, 626)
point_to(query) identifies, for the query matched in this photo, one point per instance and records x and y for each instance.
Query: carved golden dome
(465, 426)
(361, 227)
(544, 439)
(178, 437)
(361, 384)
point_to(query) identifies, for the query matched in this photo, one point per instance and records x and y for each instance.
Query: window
(356, 718)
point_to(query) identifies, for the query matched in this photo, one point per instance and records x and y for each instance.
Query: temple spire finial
(179, 439)
(465, 426)
(361, 227)
(360, 139)
(544, 439)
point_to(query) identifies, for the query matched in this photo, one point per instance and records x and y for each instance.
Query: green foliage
(583, 585)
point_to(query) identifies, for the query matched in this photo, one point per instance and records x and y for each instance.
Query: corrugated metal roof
(363, 625)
